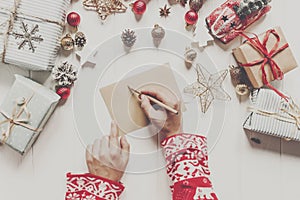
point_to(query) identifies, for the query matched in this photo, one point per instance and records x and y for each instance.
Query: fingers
(147, 107)
(165, 97)
(114, 144)
(104, 148)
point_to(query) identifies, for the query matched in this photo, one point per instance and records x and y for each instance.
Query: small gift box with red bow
(24, 113)
(272, 115)
(234, 16)
(265, 58)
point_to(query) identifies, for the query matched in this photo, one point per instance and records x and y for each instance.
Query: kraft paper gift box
(272, 115)
(24, 112)
(30, 32)
(247, 54)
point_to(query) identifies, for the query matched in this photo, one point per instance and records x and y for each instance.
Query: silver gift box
(24, 112)
(272, 115)
(40, 21)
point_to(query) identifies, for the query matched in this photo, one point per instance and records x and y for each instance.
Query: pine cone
(64, 74)
(128, 37)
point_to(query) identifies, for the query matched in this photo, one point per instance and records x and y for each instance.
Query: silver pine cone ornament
(64, 74)
(128, 37)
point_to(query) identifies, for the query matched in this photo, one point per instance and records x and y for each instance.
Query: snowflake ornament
(64, 74)
(28, 37)
(208, 87)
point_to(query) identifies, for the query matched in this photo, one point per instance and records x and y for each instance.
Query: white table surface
(240, 171)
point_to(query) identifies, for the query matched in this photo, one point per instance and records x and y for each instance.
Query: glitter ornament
(139, 7)
(73, 19)
(80, 39)
(67, 42)
(63, 92)
(158, 33)
(191, 17)
(195, 5)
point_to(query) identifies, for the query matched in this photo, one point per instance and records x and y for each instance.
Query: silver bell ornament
(158, 33)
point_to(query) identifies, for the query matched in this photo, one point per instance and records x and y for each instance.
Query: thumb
(125, 148)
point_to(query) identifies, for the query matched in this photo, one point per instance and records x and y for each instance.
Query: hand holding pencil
(168, 120)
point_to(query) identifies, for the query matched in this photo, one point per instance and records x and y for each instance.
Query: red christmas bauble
(73, 19)
(191, 17)
(63, 92)
(139, 7)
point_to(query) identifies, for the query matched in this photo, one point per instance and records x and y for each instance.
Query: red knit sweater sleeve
(91, 187)
(187, 167)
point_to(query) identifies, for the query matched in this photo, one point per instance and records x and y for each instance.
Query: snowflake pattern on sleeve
(91, 187)
(187, 167)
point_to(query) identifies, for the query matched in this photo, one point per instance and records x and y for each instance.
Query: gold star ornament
(208, 87)
(165, 11)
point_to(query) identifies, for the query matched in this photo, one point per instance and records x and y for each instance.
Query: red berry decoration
(63, 92)
(73, 19)
(191, 17)
(139, 7)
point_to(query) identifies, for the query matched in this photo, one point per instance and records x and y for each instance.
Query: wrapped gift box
(272, 115)
(24, 112)
(246, 53)
(233, 16)
(30, 32)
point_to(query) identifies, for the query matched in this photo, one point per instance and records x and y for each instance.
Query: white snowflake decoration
(28, 37)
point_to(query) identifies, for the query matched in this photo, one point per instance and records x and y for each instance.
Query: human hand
(108, 157)
(165, 121)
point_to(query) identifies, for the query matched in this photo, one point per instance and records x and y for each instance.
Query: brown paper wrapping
(247, 54)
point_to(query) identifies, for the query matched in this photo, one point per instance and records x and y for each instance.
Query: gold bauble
(67, 43)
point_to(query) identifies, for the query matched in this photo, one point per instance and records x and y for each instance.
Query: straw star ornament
(208, 87)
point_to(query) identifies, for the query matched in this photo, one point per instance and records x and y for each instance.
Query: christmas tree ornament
(63, 92)
(158, 33)
(104, 8)
(128, 38)
(28, 37)
(183, 2)
(139, 7)
(165, 11)
(242, 89)
(195, 5)
(208, 87)
(67, 42)
(73, 19)
(190, 55)
(191, 17)
(64, 74)
(80, 39)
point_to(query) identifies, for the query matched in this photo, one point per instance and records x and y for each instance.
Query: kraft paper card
(125, 108)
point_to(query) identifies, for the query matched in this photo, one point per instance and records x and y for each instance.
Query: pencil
(153, 100)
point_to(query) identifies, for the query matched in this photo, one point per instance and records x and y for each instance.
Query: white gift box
(21, 124)
(30, 32)
(272, 115)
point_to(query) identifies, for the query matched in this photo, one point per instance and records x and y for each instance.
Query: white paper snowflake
(28, 37)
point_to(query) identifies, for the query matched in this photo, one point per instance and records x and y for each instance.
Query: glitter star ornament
(28, 37)
(208, 87)
(165, 11)
(105, 7)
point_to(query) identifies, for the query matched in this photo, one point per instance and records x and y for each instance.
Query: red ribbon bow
(261, 47)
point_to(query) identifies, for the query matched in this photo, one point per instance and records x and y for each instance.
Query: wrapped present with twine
(24, 113)
(272, 115)
(30, 32)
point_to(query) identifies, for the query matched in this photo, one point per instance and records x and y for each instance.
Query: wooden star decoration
(165, 11)
(208, 87)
